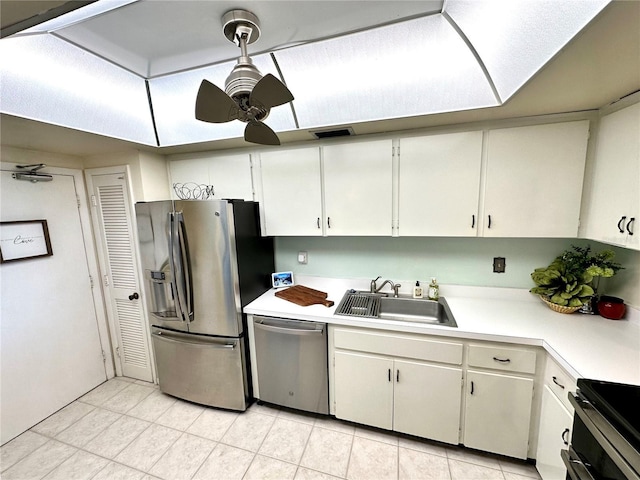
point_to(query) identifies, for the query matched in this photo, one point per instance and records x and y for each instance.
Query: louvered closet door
(122, 285)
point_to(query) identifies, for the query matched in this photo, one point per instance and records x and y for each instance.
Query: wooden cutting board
(304, 296)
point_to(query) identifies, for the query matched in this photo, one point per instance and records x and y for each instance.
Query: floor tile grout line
(182, 432)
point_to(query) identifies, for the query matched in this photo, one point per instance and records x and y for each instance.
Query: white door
(498, 413)
(50, 350)
(358, 181)
(439, 185)
(364, 389)
(427, 400)
(291, 199)
(554, 435)
(534, 180)
(112, 211)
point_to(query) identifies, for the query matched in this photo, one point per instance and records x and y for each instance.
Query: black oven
(605, 443)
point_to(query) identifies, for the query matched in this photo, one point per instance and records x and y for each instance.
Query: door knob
(134, 296)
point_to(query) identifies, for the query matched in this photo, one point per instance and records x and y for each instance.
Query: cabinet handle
(502, 360)
(622, 219)
(318, 222)
(555, 380)
(473, 221)
(329, 222)
(398, 375)
(389, 374)
(631, 220)
(565, 438)
(489, 225)
(471, 387)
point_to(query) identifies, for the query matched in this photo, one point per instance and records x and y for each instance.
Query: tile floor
(126, 429)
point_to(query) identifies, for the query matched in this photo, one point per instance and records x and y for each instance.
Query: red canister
(612, 308)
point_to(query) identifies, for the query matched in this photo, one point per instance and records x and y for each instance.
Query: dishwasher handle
(290, 329)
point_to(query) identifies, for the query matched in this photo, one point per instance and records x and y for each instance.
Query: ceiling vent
(339, 132)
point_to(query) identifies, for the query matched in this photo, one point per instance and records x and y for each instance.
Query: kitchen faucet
(375, 289)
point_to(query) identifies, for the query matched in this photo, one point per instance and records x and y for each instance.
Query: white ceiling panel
(515, 39)
(174, 100)
(47, 79)
(418, 67)
(157, 37)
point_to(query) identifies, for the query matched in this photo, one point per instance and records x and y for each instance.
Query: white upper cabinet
(613, 209)
(534, 178)
(291, 192)
(358, 181)
(343, 189)
(439, 184)
(229, 175)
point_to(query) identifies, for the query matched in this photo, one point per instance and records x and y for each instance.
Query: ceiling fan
(248, 95)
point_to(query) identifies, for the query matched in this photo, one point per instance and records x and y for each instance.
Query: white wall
(149, 174)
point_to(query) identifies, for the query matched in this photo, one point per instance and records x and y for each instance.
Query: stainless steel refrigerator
(203, 260)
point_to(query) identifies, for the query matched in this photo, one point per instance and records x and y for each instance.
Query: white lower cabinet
(363, 389)
(427, 400)
(498, 413)
(413, 384)
(379, 388)
(554, 435)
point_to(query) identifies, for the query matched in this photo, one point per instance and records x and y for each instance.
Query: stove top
(619, 403)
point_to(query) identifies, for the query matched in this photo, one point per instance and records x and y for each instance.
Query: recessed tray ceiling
(132, 70)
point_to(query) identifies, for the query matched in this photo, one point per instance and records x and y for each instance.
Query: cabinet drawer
(399, 345)
(502, 358)
(559, 382)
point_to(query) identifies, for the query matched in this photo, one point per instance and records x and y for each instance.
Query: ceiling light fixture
(248, 96)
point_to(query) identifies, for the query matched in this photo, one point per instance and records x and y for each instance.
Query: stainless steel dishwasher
(291, 358)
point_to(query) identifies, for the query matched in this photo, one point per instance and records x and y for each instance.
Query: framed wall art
(24, 239)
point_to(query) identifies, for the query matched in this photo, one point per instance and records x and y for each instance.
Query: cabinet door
(439, 184)
(554, 435)
(534, 180)
(291, 192)
(358, 181)
(427, 400)
(364, 389)
(497, 413)
(230, 175)
(615, 187)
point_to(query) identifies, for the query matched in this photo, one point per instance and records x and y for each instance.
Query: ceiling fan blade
(270, 92)
(258, 132)
(213, 105)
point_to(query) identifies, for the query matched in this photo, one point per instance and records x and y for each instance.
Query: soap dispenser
(434, 289)
(417, 291)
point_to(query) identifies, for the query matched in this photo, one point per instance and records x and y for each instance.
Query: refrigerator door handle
(167, 338)
(185, 264)
(172, 266)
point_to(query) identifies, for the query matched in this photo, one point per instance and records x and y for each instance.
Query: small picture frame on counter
(281, 279)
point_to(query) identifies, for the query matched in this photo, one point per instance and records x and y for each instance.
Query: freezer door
(206, 234)
(154, 227)
(206, 370)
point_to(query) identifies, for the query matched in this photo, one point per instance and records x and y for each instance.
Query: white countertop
(586, 346)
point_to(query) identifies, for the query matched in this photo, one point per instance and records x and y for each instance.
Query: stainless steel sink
(419, 310)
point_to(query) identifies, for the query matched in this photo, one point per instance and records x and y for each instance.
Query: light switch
(302, 257)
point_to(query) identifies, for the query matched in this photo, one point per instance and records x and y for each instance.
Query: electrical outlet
(499, 264)
(302, 257)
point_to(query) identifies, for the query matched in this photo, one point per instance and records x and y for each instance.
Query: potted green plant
(572, 279)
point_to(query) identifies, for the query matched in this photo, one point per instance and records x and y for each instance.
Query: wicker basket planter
(559, 308)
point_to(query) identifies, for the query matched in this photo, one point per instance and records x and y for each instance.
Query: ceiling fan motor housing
(243, 28)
